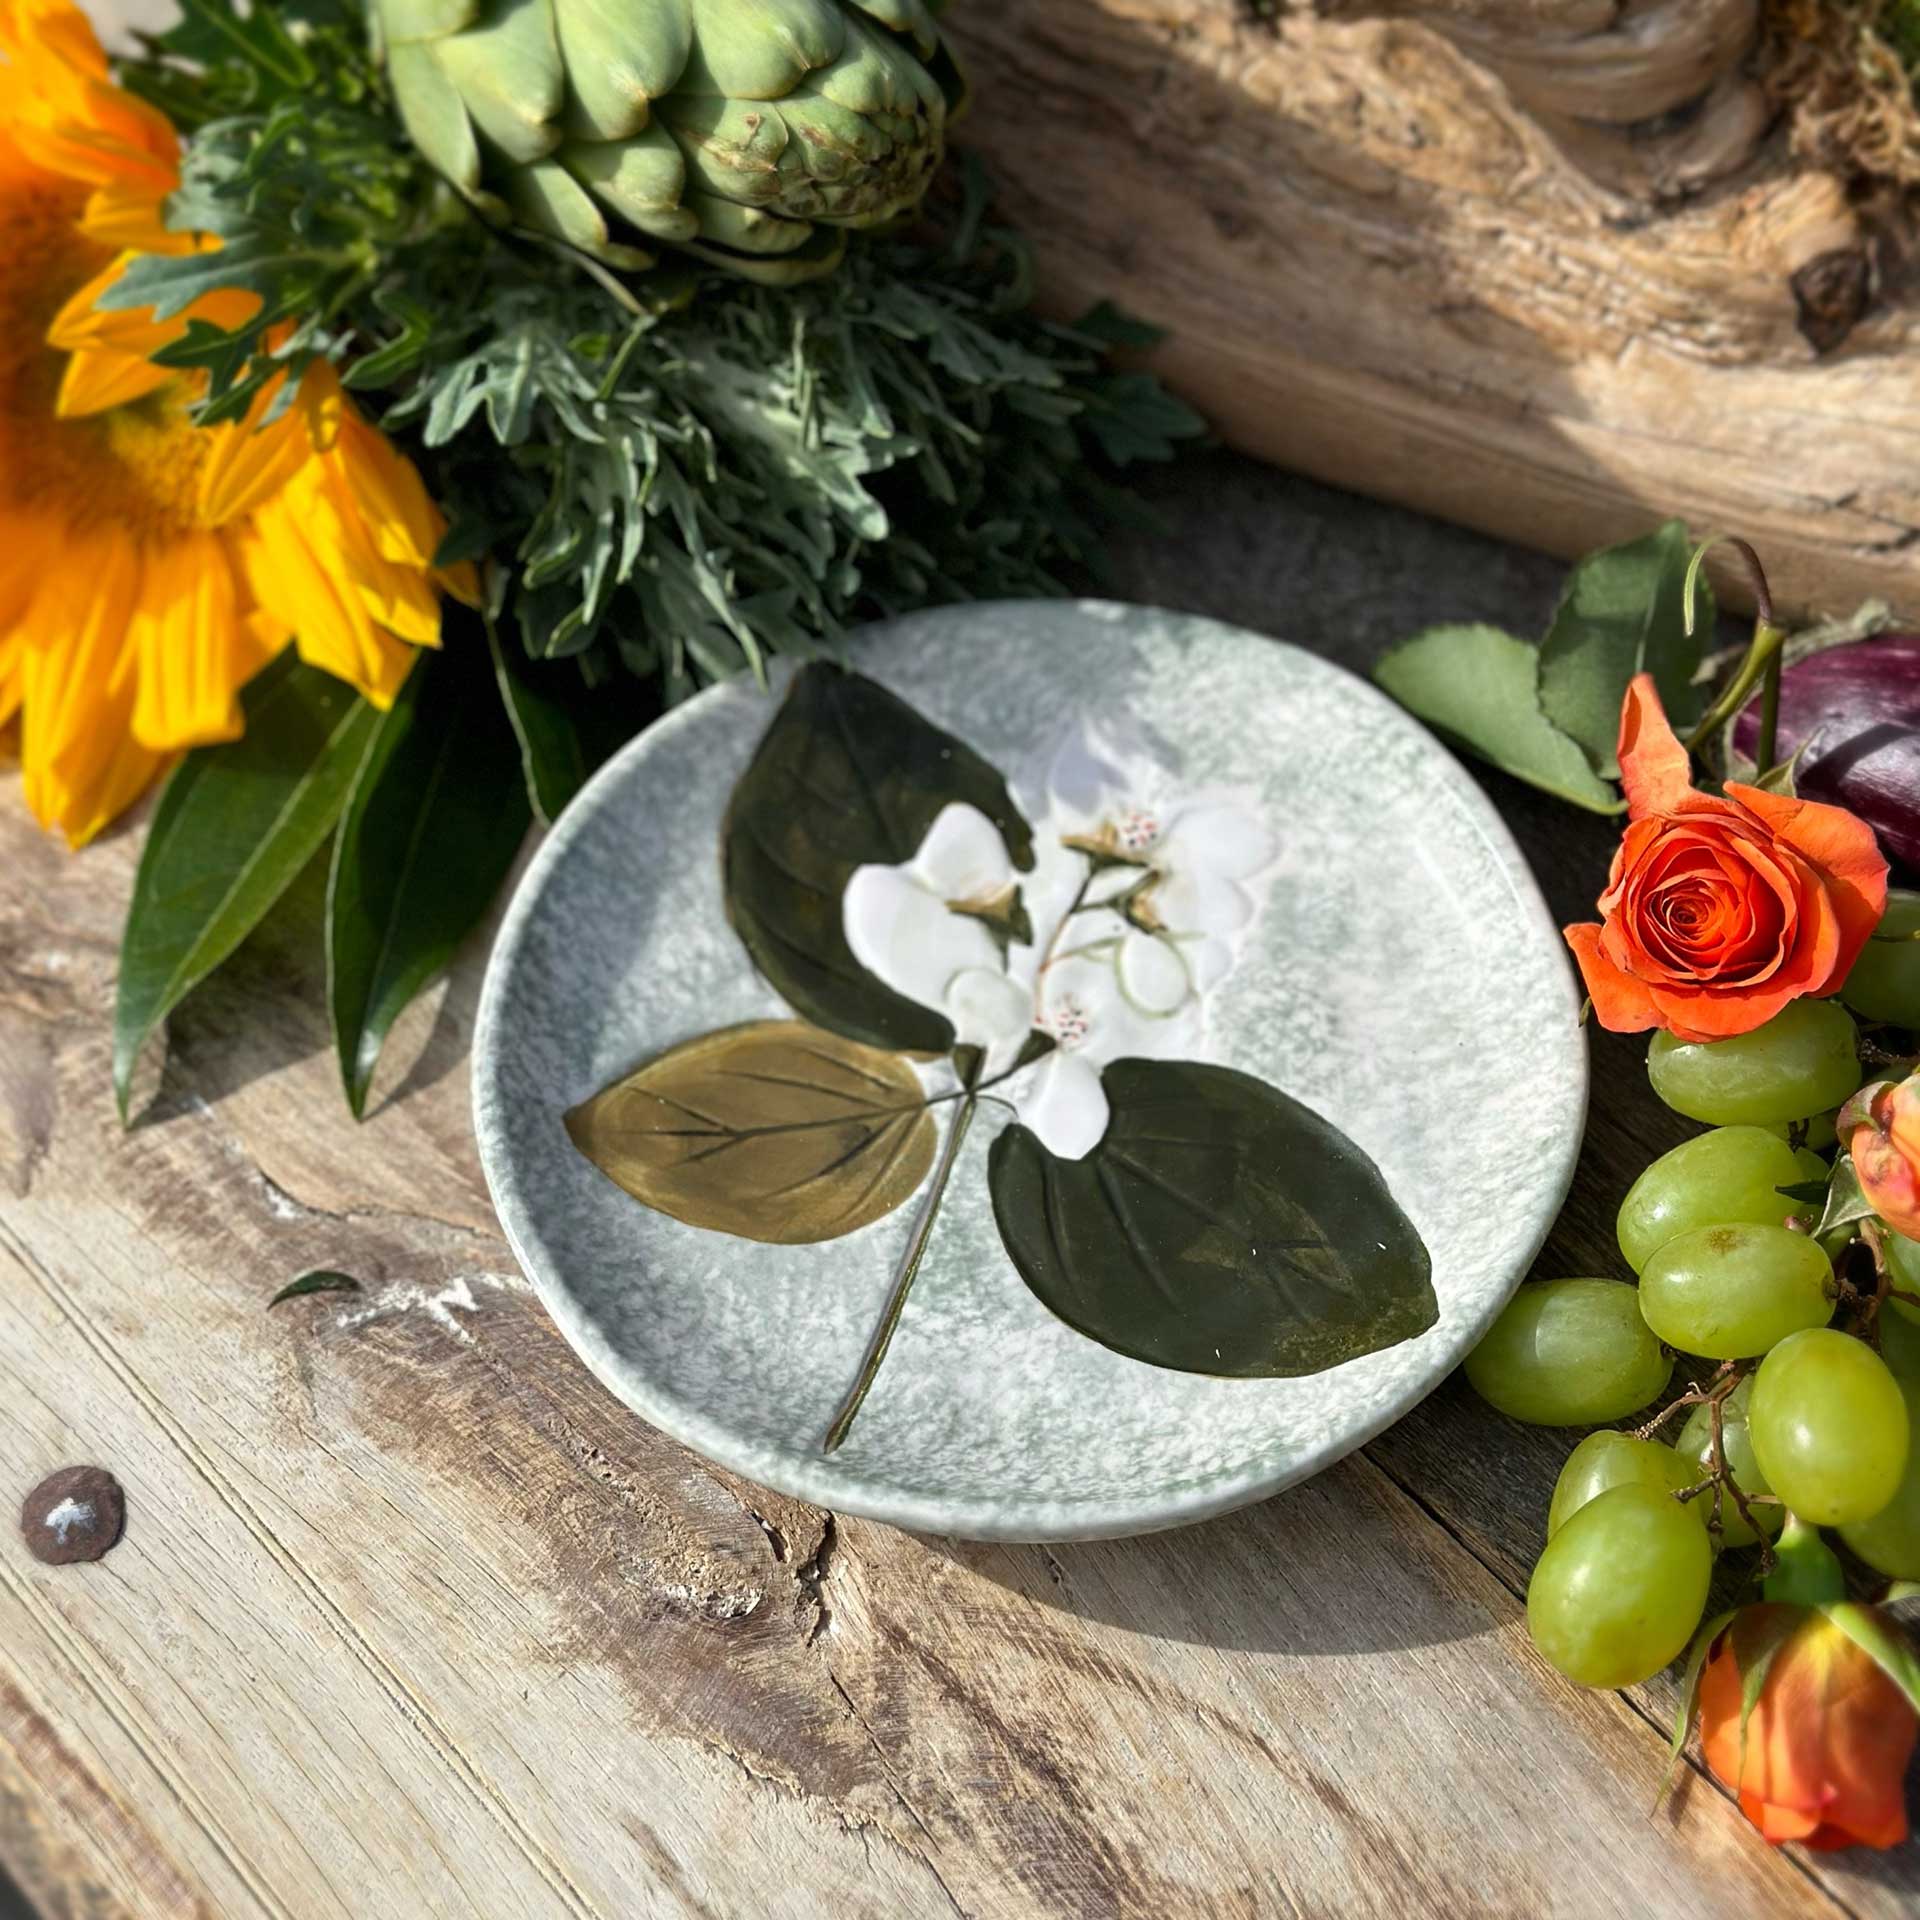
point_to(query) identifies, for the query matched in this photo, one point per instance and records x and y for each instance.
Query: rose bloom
(1823, 1756)
(1718, 912)
(1880, 1127)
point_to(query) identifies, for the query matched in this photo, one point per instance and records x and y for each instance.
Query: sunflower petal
(332, 629)
(98, 379)
(247, 464)
(195, 647)
(80, 764)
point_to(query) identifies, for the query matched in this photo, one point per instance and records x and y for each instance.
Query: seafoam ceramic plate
(1356, 928)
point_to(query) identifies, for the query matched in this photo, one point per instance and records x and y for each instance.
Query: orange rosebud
(1718, 912)
(1880, 1126)
(1823, 1755)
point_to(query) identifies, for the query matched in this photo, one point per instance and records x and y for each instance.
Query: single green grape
(1889, 1541)
(1813, 1165)
(1621, 1587)
(1732, 1173)
(1608, 1459)
(1695, 1447)
(1829, 1427)
(1804, 1060)
(1570, 1353)
(1903, 1271)
(1885, 981)
(1730, 1292)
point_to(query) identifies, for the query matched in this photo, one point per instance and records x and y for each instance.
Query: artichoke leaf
(750, 230)
(402, 21)
(549, 199)
(761, 49)
(619, 60)
(914, 18)
(506, 67)
(434, 115)
(881, 75)
(643, 180)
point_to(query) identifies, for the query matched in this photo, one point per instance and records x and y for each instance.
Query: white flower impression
(1135, 908)
(924, 930)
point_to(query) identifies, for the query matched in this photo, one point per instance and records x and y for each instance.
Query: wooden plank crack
(402, 1697)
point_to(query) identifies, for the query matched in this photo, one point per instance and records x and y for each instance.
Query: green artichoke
(750, 133)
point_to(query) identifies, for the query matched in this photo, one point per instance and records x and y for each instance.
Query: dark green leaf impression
(1219, 1227)
(847, 776)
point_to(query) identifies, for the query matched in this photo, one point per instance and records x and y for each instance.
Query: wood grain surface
(411, 1618)
(1546, 267)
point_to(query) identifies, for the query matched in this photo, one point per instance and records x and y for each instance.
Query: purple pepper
(1858, 705)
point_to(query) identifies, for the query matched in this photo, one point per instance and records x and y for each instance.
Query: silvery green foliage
(744, 475)
(679, 473)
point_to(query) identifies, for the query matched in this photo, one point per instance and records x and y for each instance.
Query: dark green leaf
(846, 776)
(1479, 687)
(567, 729)
(209, 33)
(1812, 1193)
(438, 812)
(236, 824)
(1622, 612)
(1115, 327)
(1690, 1690)
(319, 1281)
(169, 283)
(1219, 1227)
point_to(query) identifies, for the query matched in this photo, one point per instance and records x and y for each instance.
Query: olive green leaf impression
(774, 1131)
(946, 956)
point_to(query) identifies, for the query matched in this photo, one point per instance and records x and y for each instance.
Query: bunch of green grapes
(1803, 1388)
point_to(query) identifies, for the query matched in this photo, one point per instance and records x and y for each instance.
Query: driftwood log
(1546, 267)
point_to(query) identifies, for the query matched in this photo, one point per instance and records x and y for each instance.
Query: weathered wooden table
(411, 1618)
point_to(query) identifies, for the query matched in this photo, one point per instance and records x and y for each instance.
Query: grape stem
(1719, 1478)
(1693, 1397)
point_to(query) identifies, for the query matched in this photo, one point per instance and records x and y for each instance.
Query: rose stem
(902, 1282)
(1762, 656)
(1769, 718)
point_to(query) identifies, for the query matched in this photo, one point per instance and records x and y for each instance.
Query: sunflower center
(135, 467)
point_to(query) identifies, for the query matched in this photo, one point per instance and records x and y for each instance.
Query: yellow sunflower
(148, 567)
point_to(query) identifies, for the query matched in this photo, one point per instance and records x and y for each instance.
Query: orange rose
(1720, 911)
(1880, 1126)
(1823, 1756)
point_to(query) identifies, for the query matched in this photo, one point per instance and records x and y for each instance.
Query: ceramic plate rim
(832, 1485)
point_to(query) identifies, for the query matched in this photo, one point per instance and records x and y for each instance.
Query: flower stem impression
(903, 1280)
